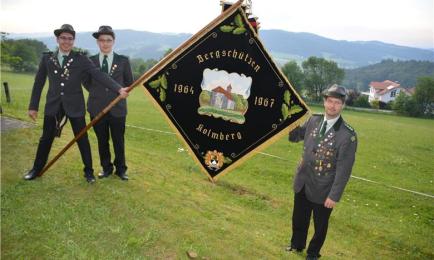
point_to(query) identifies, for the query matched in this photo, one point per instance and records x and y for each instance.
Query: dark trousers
(303, 209)
(114, 127)
(47, 138)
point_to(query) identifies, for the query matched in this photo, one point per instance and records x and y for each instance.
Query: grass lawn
(225, 114)
(169, 207)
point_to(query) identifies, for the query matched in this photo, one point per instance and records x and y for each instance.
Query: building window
(393, 93)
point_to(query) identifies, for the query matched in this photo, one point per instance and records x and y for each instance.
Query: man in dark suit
(65, 69)
(113, 123)
(329, 153)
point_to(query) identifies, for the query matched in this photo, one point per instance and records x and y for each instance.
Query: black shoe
(312, 257)
(123, 175)
(32, 174)
(90, 179)
(293, 249)
(104, 174)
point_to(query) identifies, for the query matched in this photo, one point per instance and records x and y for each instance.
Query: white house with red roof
(385, 91)
(222, 98)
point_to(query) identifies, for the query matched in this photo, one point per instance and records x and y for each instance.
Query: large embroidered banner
(223, 94)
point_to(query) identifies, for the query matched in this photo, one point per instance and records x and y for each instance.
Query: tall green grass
(168, 207)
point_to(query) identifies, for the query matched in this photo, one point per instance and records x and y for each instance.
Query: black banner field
(224, 95)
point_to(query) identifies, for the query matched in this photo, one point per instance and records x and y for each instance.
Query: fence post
(8, 96)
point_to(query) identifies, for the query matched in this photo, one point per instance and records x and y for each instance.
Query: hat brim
(57, 32)
(334, 95)
(97, 34)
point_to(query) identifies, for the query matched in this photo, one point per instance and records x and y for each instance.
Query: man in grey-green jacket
(329, 153)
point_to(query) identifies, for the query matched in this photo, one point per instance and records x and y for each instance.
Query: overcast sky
(402, 22)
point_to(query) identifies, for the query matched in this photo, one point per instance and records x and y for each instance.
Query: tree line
(313, 77)
(317, 74)
(21, 55)
(404, 72)
(24, 55)
(419, 104)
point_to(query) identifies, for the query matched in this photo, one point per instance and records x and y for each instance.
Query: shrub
(375, 104)
(362, 101)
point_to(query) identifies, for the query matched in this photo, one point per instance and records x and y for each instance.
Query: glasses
(334, 101)
(105, 40)
(64, 38)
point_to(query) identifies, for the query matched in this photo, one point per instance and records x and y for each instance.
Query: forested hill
(348, 54)
(282, 45)
(404, 72)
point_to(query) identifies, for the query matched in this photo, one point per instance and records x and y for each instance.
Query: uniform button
(61, 93)
(55, 72)
(106, 89)
(62, 84)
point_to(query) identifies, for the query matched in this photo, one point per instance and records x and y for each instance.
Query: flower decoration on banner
(160, 85)
(236, 26)
(288, 107)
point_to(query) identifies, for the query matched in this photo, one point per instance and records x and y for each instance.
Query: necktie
(65, 58)
(104, 67)
(323, 129)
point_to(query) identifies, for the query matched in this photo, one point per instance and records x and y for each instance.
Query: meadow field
(169, 207)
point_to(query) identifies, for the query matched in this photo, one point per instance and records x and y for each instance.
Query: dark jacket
(101, 96)
(327, 162)
(64, 84)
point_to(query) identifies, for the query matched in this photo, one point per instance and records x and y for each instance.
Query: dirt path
(8, 124)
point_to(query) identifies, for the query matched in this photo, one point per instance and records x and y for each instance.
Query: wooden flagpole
(146, 76)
